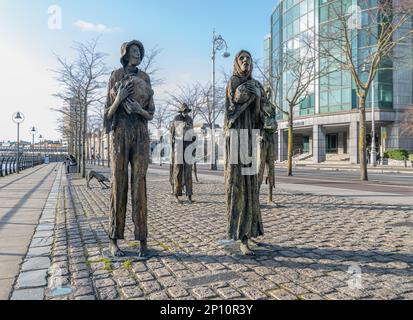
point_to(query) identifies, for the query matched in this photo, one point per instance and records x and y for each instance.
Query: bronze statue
(129, 107)
(268, 145)
(99, 177)
(181, 169)
(243, 112)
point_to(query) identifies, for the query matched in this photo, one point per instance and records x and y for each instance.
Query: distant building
(326, 123)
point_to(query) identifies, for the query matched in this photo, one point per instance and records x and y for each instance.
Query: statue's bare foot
(256, 243)
(245, 249)
(143, 249)
(190, 200)
(115, 250)
(177, 199)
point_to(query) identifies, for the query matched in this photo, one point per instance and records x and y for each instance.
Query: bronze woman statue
(268, 146)
(128, 109)
(243, 112)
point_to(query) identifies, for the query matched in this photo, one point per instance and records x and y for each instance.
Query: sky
(182, 28)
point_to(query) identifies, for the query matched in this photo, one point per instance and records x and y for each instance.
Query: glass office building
(326, 122)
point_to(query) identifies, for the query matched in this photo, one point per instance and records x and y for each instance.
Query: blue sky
(182, 28)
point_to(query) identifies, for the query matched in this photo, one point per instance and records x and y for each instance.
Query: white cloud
(93, 27)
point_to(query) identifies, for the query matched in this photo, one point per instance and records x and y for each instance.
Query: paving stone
(43, 234)
(28, 294)
(229, 293)
(41, 242)
(38, 263)
(253, 294)
(264, 285)
(32, 279)
(150, 286)
(132, 292)
(103, 283)
(86, 298)
(177, 292)
(162, 272)
(126, 282)
(168, 282)
(161, 296)
(39, 252)
(281, 294)
(144, 276)
(83, 291)
(81, 275)
(203, 293)
(108, 293)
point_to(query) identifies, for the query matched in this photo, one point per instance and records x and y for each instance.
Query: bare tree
(206, 110)
(382, 29)
(82, 85)
(298, 66)
(151, 67)
(189, 94)
(162, 116)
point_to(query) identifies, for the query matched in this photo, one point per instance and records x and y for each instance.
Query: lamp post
(218, 44)
(18, 118)
(33, 132)
(373, 154)
(41, 146)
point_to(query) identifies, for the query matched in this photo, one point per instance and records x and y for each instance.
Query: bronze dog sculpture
(99, 177)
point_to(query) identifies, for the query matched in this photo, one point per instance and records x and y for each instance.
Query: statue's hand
(253, 89)
(134, 106)
(125, 90)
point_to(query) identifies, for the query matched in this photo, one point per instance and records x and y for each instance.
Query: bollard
(8, 166)
(3, 167)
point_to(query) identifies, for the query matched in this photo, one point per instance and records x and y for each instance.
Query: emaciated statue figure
(128, 109)
(268, 145)
(181, 169)
(245, 98)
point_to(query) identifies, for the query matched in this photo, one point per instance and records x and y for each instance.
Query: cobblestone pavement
(315, 247)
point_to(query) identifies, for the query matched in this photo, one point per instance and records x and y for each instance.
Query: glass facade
(335, 92)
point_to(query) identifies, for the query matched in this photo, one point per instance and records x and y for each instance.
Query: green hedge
(396, 154)
(411, 157)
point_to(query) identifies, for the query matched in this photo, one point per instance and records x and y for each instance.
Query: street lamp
(218, 44)
(33, 132)
(18, 118)
(373, 153)
(41, 145)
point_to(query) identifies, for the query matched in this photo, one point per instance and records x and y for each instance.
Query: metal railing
(10, 165)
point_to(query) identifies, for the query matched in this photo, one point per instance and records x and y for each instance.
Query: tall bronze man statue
(129, 107)
(245, 98)
(181, 168)
(268, 145)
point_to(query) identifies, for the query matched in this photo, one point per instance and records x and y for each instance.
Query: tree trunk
(290, 146)
(108, 139)
(94, 149)
(84, 142)
(214, 165)
(362, 140)
(100, 148)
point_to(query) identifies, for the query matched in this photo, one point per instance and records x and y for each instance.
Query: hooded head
(124, 51)
(184, 109)
(243, 64)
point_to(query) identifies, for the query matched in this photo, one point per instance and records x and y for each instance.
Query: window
(332, 143)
